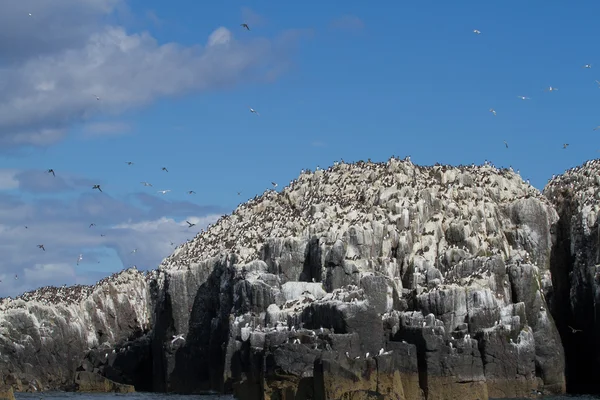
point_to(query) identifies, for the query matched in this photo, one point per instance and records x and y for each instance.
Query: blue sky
(331, 80)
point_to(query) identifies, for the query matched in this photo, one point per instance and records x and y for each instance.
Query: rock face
(576, 272)
(43, 334)
(363, 281)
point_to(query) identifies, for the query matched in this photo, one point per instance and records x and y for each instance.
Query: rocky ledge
(366, 280)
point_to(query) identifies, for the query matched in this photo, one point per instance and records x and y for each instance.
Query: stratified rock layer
(576, 272)
(362, 281)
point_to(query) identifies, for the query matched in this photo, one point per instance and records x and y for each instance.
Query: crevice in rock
(572, 307)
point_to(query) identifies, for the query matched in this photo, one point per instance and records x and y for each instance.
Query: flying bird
(51, 171)
(134, 251)
(493, 111)
(191, 192)
(252, 110)
(176, 338)
(506, 144)
(146, 183)
(30, 14)
(165, 169)
(239, 193)
(274, 184)
(573, 330)
(550, 89)
(565, 145)
(97, 97)
(596, 128)
(477, 31)
(41, 246)
(79, 258)
(96, 187)
(92, 224)
(129, 162)
(164, 191)
(245, 26)
(523, 97)
(190, 224)
(587, 66)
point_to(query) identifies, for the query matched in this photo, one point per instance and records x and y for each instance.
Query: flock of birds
(144, 183)
(548, 89)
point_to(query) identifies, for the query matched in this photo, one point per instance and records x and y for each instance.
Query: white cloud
(8, 179)
(63, 227)
(63, 56)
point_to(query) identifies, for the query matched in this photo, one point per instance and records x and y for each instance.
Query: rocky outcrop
(576, 272)
(45, 333)
(362, 281)
(90, 382)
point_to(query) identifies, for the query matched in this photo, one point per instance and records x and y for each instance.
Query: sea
(151, 396)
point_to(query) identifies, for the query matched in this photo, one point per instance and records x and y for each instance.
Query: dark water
(107, 396)
(151, 396)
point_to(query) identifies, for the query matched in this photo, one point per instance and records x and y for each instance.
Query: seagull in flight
(524, 97)
(41, 246)
(30, 14)
(565, 145)
(573, 330)
(245, 26)
(129, 162)
(97, 97)
(252, 110)
(97, 187)
(274, 184)
(493, 111)
(550, 89)
(164, 169)
(134, 251)
(146, 183)
(51, 171)
(176, 338)
(587, 66)
(239, 193)
(191, 192)
(190, 224)
(92, 224)
(79, 258)
(164, 191)
(506, 144)
(477, 31)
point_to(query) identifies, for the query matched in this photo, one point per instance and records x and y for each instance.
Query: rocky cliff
(365, 280)
(576, 272)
